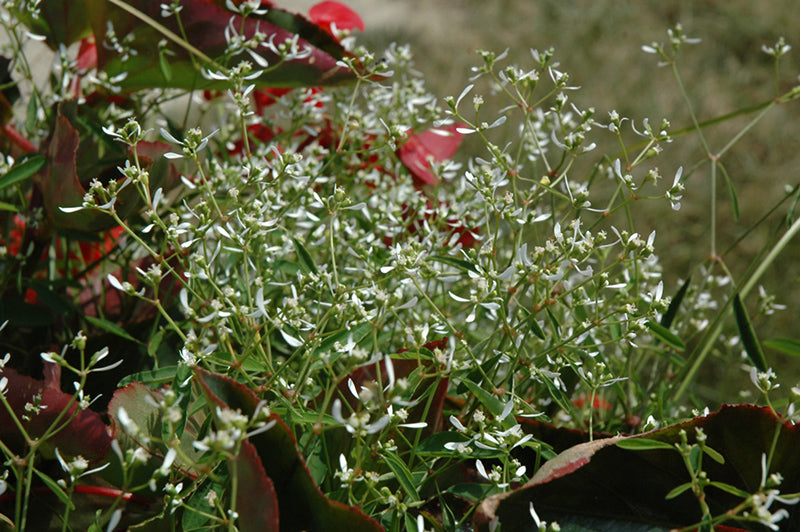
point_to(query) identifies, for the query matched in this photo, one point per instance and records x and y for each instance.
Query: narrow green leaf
(674, 305)
(8, 207)
(643, 444)
(155, 343)
(471, 491)
(718, 458)
(154, 377)
(748, 335)
(22, 170)
(306, 262)
(163, 65)
(56, 489)
(788, 346)
(31, 113)
(110, 327)
(402, 474)
(492, 403)
(531, 322)
(666, 336)
(678, 490)
(554, 322)
(733, 490)
(457, 263)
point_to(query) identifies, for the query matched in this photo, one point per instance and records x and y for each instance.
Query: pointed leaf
(666, 336)
(401, 474)
(674, 305)
(22, 171)
(305, 257)
(748, 335)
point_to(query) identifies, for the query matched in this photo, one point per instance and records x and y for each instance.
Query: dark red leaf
(256, 502)
(61, 186)
(84, 435)
(435, 145)
(601, 481)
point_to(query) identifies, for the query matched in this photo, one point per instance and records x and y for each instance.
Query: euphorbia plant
(333, 323)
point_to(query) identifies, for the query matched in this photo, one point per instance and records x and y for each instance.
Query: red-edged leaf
(256, 501)
(302, 504)
(437, 145)
(84, 435)
(601, 482)
(328, 13)
(61, 186)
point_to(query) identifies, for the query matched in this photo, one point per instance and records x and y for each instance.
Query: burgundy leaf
(256, 502)
(602, 482)
(85, 433)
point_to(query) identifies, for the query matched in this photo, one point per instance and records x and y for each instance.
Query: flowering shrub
(326, 316)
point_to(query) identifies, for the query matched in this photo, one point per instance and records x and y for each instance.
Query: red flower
(421, 149)
(598, 404)
(327, 14)
(466, 237)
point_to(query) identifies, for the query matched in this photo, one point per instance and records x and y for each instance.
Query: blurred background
(598, 42)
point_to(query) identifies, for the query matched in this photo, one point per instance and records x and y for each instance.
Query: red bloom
(467, 237)
(421, 149)
(598, 404)
(327, 14)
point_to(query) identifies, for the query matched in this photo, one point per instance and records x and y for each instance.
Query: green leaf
(55, 488)
(733, 490)
(531, 322)
(435, 444)
(788, 346)
(554, 322)
(163, 65)
(305, 257)
(674, 305)
(718, 458)
(665, 335)
(492, 403)
(457, 263)
(155, 377)
(471, 491)
(678, 490)
(748, 335)
(402, 474)
(22, 171)
(110, 327)
(643, 444)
